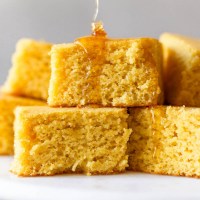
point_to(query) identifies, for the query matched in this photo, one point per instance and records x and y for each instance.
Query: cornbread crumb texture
(30, 72)
(113, 73)
(181, 69)
(50, 141)
(7, 106)
(165, 140)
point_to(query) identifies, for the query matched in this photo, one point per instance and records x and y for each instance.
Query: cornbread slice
(108, 72)
(52, 141)
(181, 69)
(165, 140)
(7, 106)
(30, 72)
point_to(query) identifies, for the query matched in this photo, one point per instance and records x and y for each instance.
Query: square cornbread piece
(30, 72)
(109, 72)
(7, 106)
(165, 140)
(181, 69)
(52, 141)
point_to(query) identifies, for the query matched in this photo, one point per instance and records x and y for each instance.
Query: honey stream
(97, 11)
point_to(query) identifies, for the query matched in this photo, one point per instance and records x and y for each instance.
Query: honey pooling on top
(98, 29)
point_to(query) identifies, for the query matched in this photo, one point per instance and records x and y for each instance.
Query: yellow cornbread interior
(30, 72)
(165, 140)
(7, 106)
(51, 141)
(181, 69)
(129, 75)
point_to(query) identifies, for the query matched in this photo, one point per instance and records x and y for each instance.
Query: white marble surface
(125, 186)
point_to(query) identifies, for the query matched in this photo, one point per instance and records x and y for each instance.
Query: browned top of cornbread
(193, 44)
(30, 72)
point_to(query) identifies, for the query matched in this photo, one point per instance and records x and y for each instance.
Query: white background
(60, 21)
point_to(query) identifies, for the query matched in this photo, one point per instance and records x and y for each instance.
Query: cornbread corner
(165, 140)
(30, 72)
(181, 69)
(118, 73)
(7, 106)
(52, 141)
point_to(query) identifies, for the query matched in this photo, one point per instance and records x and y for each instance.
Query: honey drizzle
(97, 11)
(94, 50)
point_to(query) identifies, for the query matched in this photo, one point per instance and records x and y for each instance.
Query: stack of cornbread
(84, 128)
(105, 111)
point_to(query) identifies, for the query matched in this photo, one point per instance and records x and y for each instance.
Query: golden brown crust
(106, 106)
(69, 173)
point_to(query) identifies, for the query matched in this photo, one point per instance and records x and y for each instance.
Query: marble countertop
(124, 186)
